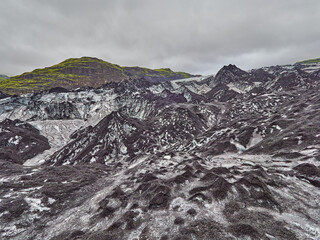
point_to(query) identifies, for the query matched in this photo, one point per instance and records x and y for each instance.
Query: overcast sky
(198, 36)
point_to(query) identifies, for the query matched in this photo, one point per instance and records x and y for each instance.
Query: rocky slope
(230, 156)
(80, 72)
(20, 141)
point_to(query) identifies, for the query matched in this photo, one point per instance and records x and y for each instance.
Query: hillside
(80, 72)
(315, 60)
(3, 77)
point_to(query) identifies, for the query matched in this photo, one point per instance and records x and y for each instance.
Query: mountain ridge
(80, 72)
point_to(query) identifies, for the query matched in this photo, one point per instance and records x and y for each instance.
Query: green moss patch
(316, 60)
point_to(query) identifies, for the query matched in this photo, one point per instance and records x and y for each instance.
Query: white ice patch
(156, 89)
(39, 159)
(51, 200)
(123, 149)
(234, 88)
(14, 140)
(255, 139)
(196, 79)
(239, 146)
(10, 231)
(310, 152)
(278, 127)
(36, 204)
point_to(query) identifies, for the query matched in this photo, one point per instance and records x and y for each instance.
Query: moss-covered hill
(315, 60)
(3, 77)
(79, 72)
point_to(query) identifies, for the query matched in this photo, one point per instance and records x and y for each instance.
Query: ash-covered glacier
(229, 156)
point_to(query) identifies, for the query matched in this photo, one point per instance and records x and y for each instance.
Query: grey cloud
(194, 36)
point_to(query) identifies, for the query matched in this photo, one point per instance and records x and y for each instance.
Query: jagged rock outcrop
(230, 73)
(19, 141)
